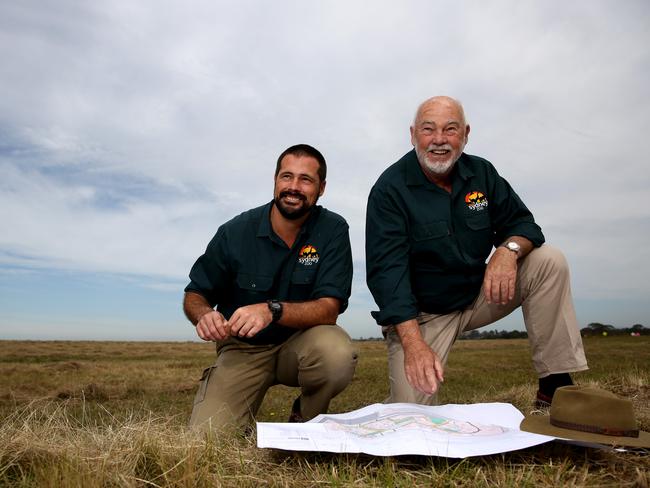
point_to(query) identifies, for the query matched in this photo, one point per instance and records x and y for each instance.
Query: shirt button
(253, 285)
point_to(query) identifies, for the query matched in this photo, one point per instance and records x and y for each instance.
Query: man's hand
(249, 320)
(422, 366)
(500, 276)
(212, 326)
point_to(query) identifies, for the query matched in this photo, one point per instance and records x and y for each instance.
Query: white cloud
(129, 132)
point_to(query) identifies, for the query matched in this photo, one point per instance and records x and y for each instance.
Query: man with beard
(433, 219)
(279, 276)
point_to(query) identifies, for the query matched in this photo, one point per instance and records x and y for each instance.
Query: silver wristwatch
(512, 246)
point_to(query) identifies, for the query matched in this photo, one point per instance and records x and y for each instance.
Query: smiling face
(297, 186)
(439, 134)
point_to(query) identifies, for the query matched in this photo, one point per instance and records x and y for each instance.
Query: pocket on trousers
(203, 385)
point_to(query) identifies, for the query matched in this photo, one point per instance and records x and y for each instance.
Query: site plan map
(455, 431)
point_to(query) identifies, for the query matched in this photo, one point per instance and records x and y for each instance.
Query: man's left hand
(249, 320)
(500, 276)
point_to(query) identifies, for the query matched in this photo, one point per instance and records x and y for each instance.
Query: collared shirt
(426, 249)
(247, 263)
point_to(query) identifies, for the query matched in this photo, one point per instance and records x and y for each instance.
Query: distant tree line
(593, 329)
(598, 329)
(494, 334)
(476, 334)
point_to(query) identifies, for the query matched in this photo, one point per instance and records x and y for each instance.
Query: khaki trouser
(544, 292)
(320, 360)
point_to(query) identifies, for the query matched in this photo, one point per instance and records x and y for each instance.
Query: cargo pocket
(203, 385)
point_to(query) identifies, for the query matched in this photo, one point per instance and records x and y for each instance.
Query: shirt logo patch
(308, 255)
(476, 200)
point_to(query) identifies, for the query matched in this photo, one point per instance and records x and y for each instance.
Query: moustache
(444, 147)
(293, 194)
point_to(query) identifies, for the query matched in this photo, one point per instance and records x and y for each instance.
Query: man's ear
(412, 130)
(322, 188)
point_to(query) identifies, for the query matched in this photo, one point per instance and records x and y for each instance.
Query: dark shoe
(296, 416)
(542, 400)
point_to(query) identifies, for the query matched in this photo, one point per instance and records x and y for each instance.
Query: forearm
(409, 333)
(302, 315)
(195, 306)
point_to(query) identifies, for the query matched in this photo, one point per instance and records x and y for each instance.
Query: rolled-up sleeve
(387, 259)
(334, 277)
(210, 274)
(509, 214)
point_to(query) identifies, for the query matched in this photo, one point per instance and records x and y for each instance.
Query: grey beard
(437, 168)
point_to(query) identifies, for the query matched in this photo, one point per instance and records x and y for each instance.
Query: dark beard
(291, 213)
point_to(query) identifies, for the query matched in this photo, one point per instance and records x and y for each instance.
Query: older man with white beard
(433, 219)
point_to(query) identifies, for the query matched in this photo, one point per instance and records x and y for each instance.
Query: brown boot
(542, 400)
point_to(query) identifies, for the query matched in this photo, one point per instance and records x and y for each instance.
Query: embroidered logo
(308, 255)
(476, 200)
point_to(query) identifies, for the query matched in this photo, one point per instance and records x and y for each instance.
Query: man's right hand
(212, 326)
(422, 366)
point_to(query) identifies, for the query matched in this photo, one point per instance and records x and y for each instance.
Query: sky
(129, 131)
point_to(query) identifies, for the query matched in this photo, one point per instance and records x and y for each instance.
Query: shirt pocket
(432, 230)
(480, 238)
(253, 288)
(481, 221)
(303, 277)
(302, 284)
(429, 243)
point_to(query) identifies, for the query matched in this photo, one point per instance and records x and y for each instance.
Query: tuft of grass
(80, 414)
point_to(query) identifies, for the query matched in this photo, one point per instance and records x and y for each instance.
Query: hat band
(594, 429)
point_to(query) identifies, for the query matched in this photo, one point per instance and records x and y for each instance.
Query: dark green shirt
(426, 249)
(247, 263)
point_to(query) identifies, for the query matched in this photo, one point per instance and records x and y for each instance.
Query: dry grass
(113, 414)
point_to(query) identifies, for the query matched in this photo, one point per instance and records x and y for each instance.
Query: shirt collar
(264, 229)
(415, 175)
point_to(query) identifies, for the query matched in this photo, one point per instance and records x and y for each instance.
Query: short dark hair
(304, 150)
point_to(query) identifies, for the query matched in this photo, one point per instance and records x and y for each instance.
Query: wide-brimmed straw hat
(588, 414)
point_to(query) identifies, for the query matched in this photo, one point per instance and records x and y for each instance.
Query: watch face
(513, 246)
(276, 309)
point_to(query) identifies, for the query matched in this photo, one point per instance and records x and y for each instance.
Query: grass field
(114, 414)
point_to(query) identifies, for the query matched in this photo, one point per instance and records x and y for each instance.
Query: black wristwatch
(276, 309)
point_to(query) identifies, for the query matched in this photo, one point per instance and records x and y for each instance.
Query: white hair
(450, 100)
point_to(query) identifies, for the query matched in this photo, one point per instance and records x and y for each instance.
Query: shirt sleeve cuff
(330, 292)
(530, 231)
(394, 316)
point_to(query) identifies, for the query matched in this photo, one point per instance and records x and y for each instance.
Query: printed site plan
(455, 431)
